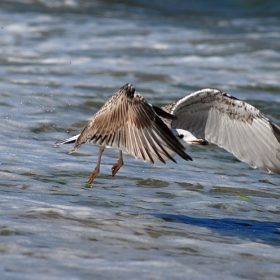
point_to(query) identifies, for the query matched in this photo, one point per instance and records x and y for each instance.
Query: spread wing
(128, 123)
(232, 124)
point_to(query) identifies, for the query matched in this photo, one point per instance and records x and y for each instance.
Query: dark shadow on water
(262, 232)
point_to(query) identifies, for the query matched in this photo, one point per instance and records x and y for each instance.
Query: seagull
(228, 122)
(128, 123)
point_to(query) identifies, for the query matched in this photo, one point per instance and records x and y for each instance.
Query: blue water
(213, 218)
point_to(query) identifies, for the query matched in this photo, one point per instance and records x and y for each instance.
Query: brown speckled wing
(128, 123)
(230, 123)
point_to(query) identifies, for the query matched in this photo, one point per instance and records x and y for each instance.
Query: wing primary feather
(165, 133)
(276, 130)
(95, 138)
(109, 142)
(134, 143)
(162, 148)
(146, 145)
(152, 143)
(139, 146)
(163, 113)
(113, 139)
(173, 143)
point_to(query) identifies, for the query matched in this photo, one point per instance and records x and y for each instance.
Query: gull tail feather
(70, 140)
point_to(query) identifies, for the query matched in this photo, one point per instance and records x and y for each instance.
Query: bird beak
(199, 142)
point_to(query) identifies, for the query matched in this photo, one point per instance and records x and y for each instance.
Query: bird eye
(181, 136)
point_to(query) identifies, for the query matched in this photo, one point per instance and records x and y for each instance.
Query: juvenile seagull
(128, 123)
(230, 123)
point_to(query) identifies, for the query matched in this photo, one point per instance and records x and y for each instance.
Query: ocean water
(213, 218)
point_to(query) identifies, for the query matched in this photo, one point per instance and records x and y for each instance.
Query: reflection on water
(214, 217)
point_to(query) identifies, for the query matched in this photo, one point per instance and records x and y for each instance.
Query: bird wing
(232, 124)
(128, 123)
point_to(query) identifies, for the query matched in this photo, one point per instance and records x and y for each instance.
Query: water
(213, 218)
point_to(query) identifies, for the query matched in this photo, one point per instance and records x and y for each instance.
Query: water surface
(213, 218)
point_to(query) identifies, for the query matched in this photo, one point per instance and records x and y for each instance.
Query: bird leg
(118, 165)
(97, 168)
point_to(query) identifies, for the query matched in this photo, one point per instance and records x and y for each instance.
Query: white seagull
(128, 123)
(230, 123)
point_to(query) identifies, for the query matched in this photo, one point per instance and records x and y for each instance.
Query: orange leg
(97, 168)
(118, 165)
